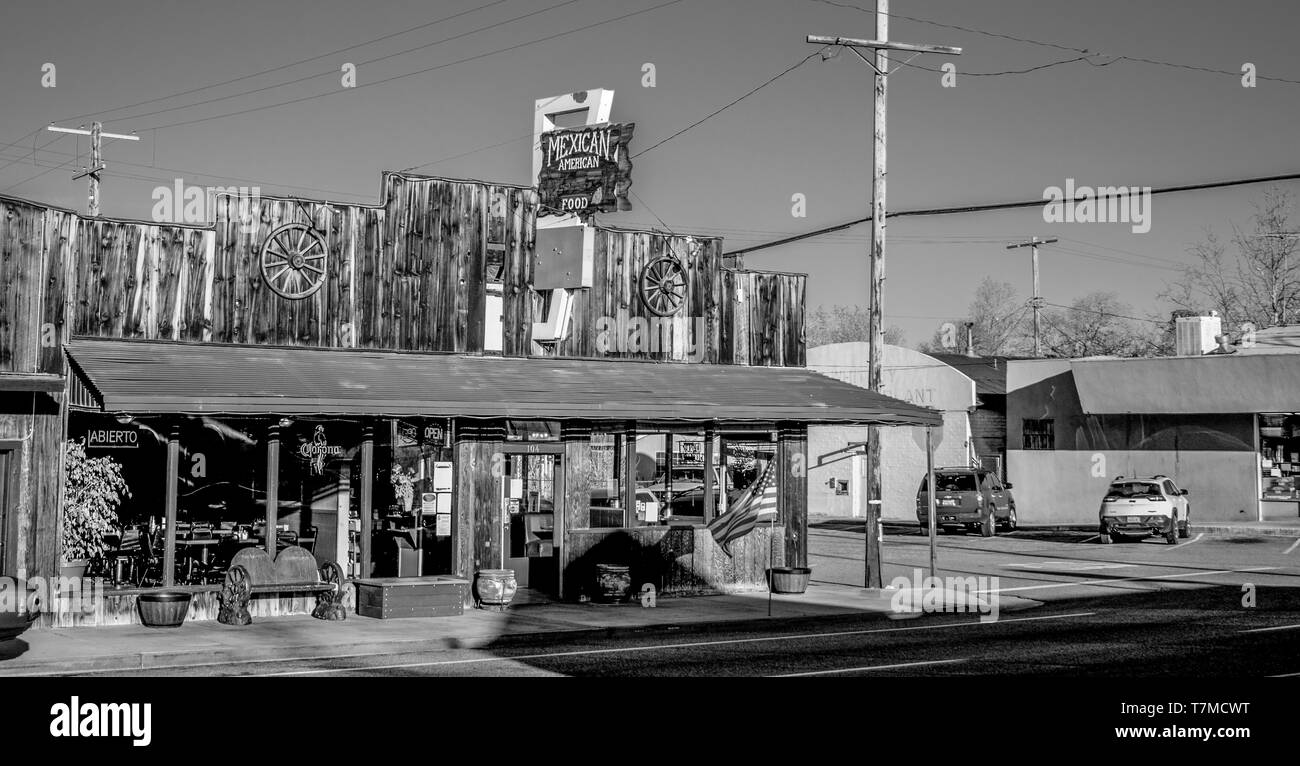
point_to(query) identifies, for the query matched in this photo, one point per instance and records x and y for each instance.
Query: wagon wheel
(293, 261)
(663, 286)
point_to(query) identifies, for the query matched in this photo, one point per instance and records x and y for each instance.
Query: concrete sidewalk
(105, 649)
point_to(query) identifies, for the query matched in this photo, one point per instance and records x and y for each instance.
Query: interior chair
(149, 562)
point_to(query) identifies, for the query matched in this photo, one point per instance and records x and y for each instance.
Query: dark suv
(967, 499)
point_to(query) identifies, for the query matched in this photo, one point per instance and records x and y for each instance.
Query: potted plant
(93, 488)
(403, 480)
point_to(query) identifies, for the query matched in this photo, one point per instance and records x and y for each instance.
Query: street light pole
(881, 45)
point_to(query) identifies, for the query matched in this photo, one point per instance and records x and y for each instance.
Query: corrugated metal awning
(1229, 383)
(158, 377)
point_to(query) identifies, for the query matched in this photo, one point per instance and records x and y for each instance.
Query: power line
(728, 106)
(284, 66)
(962, 29)
(1106, 313)
(331, 73)
(1057, 46)
(1009, 206)
(418, 71)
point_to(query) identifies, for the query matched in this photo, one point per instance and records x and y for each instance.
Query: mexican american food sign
(585, 170)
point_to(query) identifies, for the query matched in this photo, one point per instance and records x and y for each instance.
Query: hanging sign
(533, 430)
(112, 438)
(689, 454)
(585, 170)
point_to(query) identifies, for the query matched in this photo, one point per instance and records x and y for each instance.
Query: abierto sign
(585, 170)
(112, 438)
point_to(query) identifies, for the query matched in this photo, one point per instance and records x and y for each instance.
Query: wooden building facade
(291, 329)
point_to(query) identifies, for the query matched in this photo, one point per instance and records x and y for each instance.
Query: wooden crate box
(389, 597)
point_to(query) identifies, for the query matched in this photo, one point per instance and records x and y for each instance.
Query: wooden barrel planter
(613, 583)
(790, 579)
(494, 588)
(164, 609)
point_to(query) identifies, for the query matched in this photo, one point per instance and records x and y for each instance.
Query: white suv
(1144, 507)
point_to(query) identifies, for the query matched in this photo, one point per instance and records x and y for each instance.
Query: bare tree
(1098, 324)
(999, 324)
(845, 324)
(1255, 277)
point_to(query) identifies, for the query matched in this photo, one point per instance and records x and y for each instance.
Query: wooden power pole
(881, 44)
(93, 170)
(1037, 301)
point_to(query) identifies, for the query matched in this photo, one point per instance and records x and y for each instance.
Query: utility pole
(881, 45)
(96, 133)
(1037, 300)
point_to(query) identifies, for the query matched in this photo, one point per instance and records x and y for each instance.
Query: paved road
(1140, 609)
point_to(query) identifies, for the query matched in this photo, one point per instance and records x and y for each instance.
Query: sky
(461, 99)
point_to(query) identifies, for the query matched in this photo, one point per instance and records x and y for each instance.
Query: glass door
(531, 505)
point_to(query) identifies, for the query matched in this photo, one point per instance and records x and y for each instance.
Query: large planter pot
(494, 588)
(71, 569)
(164, 609)
(790, 579)
(613, 583)
(13, 623)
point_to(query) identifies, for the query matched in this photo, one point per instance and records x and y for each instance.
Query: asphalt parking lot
(1048, 565)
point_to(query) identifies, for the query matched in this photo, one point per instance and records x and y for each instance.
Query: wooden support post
(931, 522)
(367, 496)
(629, 475)
(272, 487)
(169, 518)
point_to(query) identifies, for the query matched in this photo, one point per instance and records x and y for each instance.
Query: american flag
(758, 503)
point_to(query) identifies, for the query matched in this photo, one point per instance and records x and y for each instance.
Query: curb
(1232, 530)
(224, 656)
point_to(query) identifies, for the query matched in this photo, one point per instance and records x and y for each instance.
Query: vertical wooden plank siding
(478, 544)
(793, 453)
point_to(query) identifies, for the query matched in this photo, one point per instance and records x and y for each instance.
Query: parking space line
(868, 667)
(1117, 580)
(1269, 630)
(1293, 547)
(1196, 539)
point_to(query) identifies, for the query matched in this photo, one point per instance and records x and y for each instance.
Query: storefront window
(605, 480)
(319, 473)
(413, 498)
(1279, 459)
(138, 448)
(746, 458)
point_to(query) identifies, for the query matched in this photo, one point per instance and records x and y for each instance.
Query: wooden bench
(293, 571)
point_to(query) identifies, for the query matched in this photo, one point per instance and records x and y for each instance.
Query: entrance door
(532, 513)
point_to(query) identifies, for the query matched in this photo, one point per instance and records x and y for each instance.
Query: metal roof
(1228, 383)
(988, 372)
(158, 377)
